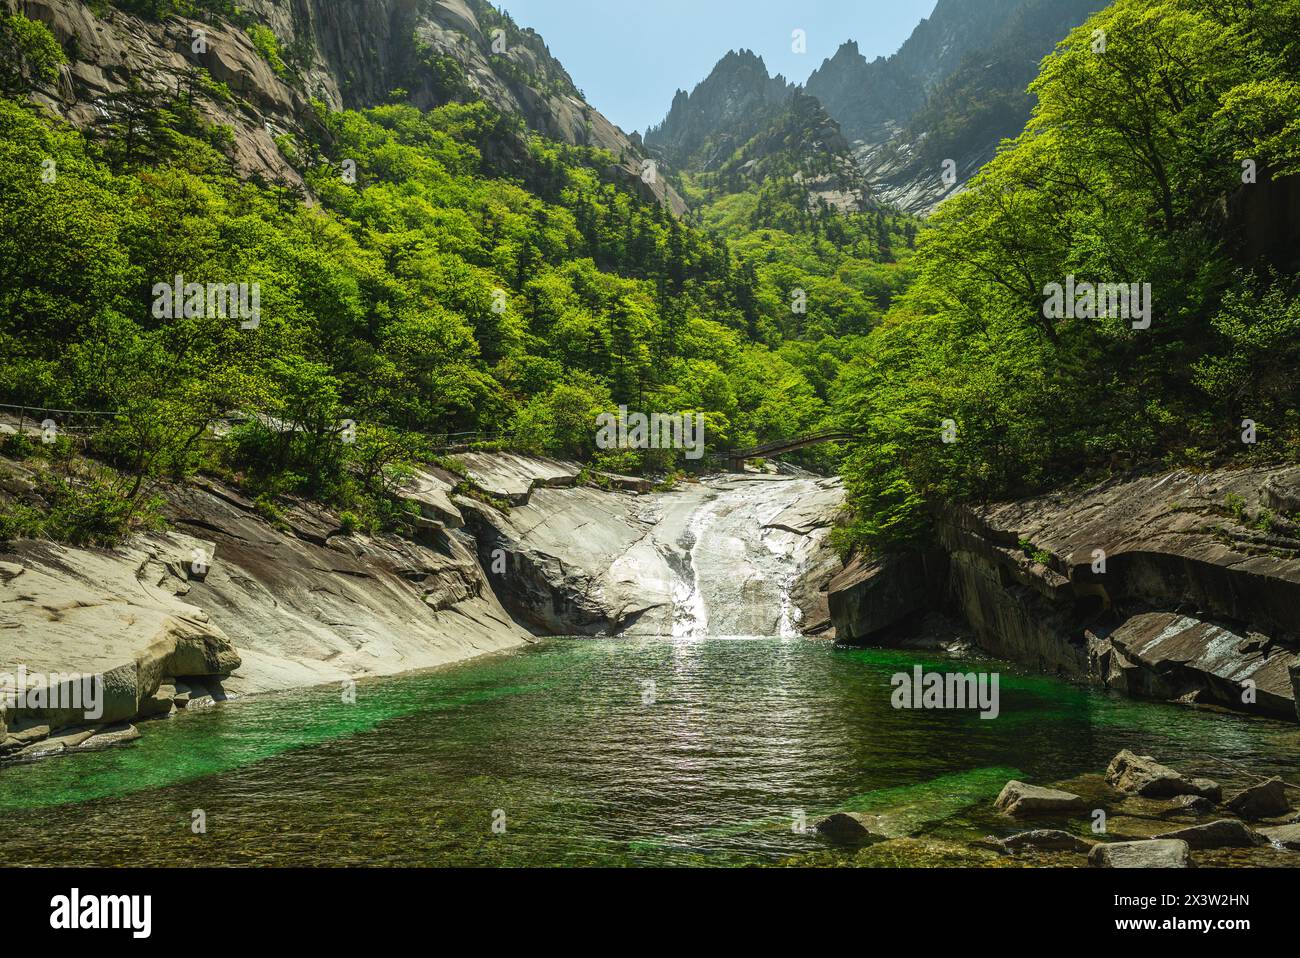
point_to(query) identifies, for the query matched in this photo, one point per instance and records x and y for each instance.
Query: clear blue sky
(630, 56)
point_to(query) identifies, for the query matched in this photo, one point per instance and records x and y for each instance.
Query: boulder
(1023, 801)
(1197, 805)
(1225, 833)
(849, 828)
(1206, 788)
(159, 703)
(633, 484)
(203, 693)
(1152, 853)
(1143, 775)
(1265, 800)
(1288, 836)
(1045, 839)
(1195, 661)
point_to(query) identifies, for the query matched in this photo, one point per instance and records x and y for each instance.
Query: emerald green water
(560, 741)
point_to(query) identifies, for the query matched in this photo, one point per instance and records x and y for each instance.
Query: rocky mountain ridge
(953, 92)
(341, 55)
(863, 95)
(730, 106)
(969, 112)
(741, 127)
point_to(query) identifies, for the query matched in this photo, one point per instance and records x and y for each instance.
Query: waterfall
(690, 612)
(740, 575)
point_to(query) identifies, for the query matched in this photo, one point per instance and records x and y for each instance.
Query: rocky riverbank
(1139, 813)
(1182, 587)
(229, 603)
(232, 602)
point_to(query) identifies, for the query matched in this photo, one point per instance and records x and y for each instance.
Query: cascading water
(740, 573)
(690, 612)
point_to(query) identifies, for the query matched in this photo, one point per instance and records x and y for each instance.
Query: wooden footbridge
(736, 457)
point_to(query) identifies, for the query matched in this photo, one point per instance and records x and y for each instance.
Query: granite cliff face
(342, 53)
(1179, 587)
(803, 142)
(728, 555)
(968, 111)
(864, 95)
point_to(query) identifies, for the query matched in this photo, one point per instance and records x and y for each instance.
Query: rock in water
(1020, 801)
(848, 828)
(1288, 836)
(113, 735)
(1046, 839)
(1196, 805)
(69, 738)
(1225, 833)
(1143, 775)
(1265, 800)
(1153, 853)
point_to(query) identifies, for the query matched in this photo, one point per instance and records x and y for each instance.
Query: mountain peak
(738, 87)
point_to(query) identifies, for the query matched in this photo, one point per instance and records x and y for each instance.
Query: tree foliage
(1128, 172)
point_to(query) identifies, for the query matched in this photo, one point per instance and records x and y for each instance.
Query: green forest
(1155, 122)
(432, 279)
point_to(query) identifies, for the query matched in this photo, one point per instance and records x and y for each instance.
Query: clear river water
(690, 749)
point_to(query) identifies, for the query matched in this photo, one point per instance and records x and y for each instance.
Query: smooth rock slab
(1288, 836)
(114, 735)
(431, 494)
(1225, 833)
(1265, 800)
(1152, 853)
(57, 743)
(1020, 801)
(513, 477)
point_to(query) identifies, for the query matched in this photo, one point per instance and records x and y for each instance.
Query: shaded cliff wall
(1179, 586)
